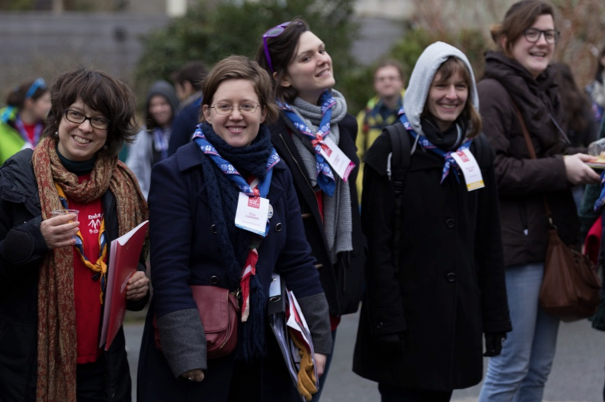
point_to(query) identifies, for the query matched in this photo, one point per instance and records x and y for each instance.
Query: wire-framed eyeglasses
(227, 108)
(74, 116)
(533, 35)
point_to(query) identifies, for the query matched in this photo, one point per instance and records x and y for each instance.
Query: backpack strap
(397, 166)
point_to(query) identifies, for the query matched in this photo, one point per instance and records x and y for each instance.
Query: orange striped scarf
(57, 354)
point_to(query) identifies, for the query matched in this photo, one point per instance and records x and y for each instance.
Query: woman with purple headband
(315, 136)
(22, 120)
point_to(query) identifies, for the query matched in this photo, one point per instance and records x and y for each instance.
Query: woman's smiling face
(236, 128)
(310, 72)
(535, 57)
(80, 142)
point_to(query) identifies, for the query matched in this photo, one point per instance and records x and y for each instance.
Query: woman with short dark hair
(53, 269)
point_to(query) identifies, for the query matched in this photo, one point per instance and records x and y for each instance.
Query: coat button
(213, 228)
(450, 223)
(380, 325)
(214, 279)
(278, 227)
(451, 277)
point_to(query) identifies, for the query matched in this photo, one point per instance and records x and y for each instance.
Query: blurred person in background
(596, 93)
(582, 127)
(188, 84)
(380, 111)
(596, 89)
(22, 120)
(53, 269)
(518, 75)
(151, 144)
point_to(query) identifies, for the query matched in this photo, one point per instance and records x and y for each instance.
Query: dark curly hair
(101, 92)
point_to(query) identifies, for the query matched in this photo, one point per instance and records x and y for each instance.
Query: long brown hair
(282, 49)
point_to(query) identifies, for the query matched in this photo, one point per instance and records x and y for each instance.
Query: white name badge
(252, 214)
(470, 169)
(339, 162)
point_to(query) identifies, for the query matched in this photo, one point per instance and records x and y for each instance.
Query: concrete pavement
(577, 374)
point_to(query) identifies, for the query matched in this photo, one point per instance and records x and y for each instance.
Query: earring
(105, 147)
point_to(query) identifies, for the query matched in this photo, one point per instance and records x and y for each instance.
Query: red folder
(124, 259)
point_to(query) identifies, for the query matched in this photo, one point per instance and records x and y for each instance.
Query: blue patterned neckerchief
(601, 200)
(325, 177)
(160, 142)
(426, 144)
(99, 268)
(21, 128)
(227, 168)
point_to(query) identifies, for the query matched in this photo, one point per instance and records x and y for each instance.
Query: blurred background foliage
(213, 30)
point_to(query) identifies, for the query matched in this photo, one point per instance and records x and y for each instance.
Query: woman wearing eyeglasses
(519, 73)
(207, 233)
(52, 292)
(22, 121)
(316, 138)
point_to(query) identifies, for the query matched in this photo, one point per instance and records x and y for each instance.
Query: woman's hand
(578, 172)
(138, 286)
(194, 375)
(58, 231)
(320, 362)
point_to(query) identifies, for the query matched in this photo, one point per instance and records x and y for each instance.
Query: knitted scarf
(338, 222)
(57, 354)
(234, 243)
(426, 144)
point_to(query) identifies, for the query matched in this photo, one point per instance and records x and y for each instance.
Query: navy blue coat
(184, 251)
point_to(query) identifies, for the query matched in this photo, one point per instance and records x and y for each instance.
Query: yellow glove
(306, 375)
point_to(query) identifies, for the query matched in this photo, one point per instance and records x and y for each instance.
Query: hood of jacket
(420, 82)
(538, 99)
(166, 90)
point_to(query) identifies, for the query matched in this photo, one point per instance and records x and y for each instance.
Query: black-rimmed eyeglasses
(533, 35)
(74, 116)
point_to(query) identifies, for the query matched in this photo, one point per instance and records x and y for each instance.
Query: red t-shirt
(30, 129)
(86, 290)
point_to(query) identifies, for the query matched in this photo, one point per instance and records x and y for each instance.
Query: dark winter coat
(20, 218)
(343, 281)
(183, 125)
(523, 182)
(191, 257)
(448, 287)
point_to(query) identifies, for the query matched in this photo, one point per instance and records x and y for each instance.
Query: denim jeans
(520, 372)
